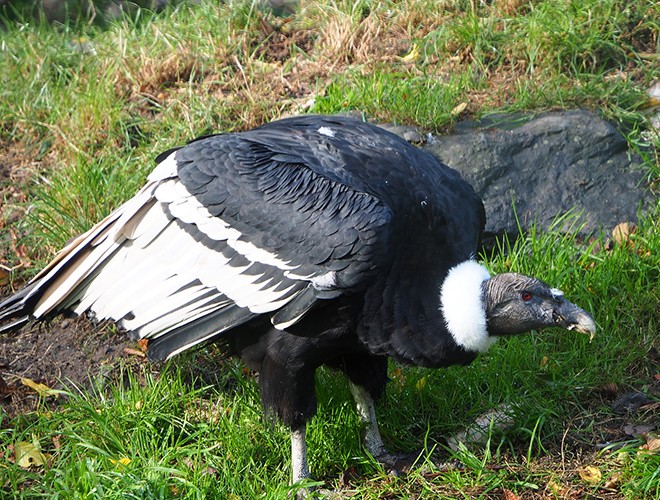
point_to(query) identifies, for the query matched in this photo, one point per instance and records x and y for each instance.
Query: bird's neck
(415, 323)
(462, 305)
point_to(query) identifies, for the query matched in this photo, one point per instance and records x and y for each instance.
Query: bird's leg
(373, 442)
(300, 469)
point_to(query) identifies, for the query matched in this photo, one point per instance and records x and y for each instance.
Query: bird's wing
(224, 230)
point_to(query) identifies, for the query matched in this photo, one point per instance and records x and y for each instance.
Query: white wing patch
(184, 206)
(145, 267)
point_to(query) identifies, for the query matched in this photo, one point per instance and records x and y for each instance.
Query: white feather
(184, 206)
(165, 169)
(463, 308)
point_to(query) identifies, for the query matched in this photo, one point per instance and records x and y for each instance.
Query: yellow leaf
(459, 109)
(554, 486)
(421, 383)
(42, 389)
(28, 455)
(122, 462)
(413, 55)
(590, 474)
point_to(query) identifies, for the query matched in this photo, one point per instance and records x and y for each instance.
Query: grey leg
(365, 407)
(300, 469)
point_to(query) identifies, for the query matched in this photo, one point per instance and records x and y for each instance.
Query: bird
(309, 241)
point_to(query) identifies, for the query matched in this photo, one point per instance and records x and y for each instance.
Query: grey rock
(547, 166)
(406, 132)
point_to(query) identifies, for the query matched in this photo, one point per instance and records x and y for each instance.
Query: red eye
(526, 296)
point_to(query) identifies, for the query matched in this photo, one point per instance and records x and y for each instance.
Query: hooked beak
(569, 316)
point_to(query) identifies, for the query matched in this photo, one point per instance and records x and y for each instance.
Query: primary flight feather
(308, 241)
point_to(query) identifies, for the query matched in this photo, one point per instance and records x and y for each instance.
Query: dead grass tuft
(510, 7)
(346, 40)
(151, 77)
(280, 46)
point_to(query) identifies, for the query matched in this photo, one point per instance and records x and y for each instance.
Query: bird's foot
(397, 463)
(310, 493)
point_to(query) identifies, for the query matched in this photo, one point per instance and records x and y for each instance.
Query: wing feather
(226, 228)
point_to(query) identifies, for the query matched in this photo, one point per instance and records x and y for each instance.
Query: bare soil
(62, 354)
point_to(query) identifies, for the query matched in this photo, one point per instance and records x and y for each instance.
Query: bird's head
(515, 303)
(479, 308)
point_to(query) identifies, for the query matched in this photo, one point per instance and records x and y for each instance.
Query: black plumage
(308, 241)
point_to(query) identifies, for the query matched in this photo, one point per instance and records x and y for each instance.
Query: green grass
(83, 127)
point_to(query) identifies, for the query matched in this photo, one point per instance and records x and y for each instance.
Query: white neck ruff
(462, 305)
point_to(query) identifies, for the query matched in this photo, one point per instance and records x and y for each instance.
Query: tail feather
(16, 308)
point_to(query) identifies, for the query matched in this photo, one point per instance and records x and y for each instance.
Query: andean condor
(309, 241)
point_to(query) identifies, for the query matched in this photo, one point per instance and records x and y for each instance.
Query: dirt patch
(62, 354)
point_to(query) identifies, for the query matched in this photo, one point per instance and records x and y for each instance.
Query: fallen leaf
(20, 250)
(637, 430)
(56, 442)
(134, 352)
(622, 232)
(652, 444)
(421, 383)
(28, 455)
(555, 487)
(459, 109)
(411, 56)
(509, 495)
(42, 389)
(122, 462)
(590, 474)
(613, 481)
(4, 276)
(265, 67)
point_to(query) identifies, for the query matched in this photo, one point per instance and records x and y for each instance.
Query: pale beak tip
(586, 325)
